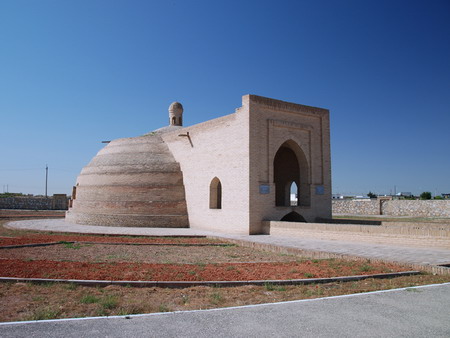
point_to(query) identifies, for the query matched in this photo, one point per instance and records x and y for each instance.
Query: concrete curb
(184, 284)
(32, 245)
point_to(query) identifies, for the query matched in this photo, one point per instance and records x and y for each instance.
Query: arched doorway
(293, 217)
(290, 166)
(215, 194)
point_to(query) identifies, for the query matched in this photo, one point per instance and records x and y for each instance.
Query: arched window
(291, 172)
(215, 194)
(293, 194)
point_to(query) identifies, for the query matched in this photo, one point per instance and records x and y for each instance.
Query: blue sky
(75, 73)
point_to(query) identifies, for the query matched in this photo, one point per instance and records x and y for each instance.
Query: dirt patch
(191, 272)
(173, 262)
(80, 252)
(26, 301)
(49, 238)
(168, 261)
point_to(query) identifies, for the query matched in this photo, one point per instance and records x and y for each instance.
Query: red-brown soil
(29, 301)
(189, 272)
(38, 238)
(162, 263)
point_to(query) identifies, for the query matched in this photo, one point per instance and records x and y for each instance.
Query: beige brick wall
(272, 123)
(220, 149)
(239, 149)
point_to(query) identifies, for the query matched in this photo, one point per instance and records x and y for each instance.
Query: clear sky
(76, 72)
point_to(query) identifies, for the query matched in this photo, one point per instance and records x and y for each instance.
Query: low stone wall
(425, 208)
(391, 228)
(414, 208)
(358, 207)
(55, 202)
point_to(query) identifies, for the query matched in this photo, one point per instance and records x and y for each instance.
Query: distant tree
(371, 195)
(10, 194)
(426, 195)
(438, 197)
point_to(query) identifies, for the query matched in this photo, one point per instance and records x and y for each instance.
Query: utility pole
(46, 179)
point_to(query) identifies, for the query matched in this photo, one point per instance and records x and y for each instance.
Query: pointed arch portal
(290, 166)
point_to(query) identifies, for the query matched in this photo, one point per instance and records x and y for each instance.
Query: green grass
(130, 310)
(413, 290)
(71, 286)
(109, 302)
(216, 298)
(272, 287)
(89, 299)
(365, 268)
(44, 313)
(164, 308)
(75, 246)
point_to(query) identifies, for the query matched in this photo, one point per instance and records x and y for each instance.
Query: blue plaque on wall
(264, 189)
(320, 190)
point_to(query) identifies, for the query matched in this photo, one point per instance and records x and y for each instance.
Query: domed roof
(176, 108)
(131, 182)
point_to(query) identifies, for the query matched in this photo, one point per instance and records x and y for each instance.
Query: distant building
(404, 194)
(446, 196)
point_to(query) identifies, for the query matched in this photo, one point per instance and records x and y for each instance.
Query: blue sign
(264, 189)
(320, 190)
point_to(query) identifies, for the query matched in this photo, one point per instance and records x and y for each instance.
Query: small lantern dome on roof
(176, 114)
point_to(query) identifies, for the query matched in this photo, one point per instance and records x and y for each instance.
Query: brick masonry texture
(169, 173)
(418, 231)
(131, 182)
(415, 208)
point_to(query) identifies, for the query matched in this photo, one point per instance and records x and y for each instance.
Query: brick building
(228, 174)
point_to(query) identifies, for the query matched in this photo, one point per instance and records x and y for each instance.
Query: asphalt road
(412, 312)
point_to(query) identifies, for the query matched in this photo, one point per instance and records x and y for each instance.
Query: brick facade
(238, 151)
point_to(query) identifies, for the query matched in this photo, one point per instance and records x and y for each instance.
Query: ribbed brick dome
(131, 182)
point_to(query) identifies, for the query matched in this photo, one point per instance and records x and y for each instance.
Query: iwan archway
(291, 166)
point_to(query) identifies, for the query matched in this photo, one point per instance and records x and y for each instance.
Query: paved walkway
(389, 252)
(411, 312)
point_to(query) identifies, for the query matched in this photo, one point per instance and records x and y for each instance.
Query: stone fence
(55, 202)
(423, 229)
(382, 206)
